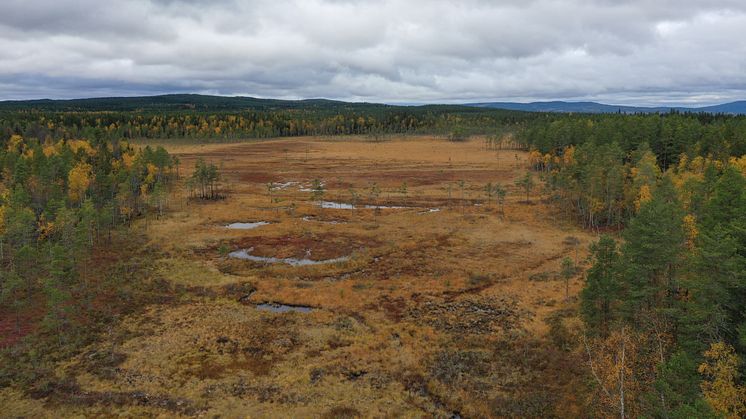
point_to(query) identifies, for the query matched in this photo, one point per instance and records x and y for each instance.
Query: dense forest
(206, 118)
(665, 305)
(669, 135)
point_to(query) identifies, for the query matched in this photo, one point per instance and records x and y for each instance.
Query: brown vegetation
(434, 314)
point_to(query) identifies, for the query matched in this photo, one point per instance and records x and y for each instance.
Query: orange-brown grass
(433, 313)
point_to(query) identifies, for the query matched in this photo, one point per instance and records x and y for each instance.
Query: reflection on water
(246, 255)
(283, 308)
(246, 226)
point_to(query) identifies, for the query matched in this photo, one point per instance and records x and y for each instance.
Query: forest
(61, 203)
(663, 300)
(207, 118)
(664, 303)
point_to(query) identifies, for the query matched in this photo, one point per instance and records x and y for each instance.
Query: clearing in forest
(378, 278)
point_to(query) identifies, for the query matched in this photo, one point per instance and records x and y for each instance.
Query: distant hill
(594, 107)
(176, 102)
(172, 102)
(181, 102)
(731, 108)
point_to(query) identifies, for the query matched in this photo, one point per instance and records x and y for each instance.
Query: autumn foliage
(59, 201)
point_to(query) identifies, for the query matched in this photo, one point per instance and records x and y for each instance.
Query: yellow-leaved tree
(15, 142)
(691, 230)
(739, 163)
(77, 145)
(128, 159)
(79, 179)
(645, 175)
(535, 159)
(568, 156)
(152, 174)
(643, 196)
(612, 365)
(720, 386)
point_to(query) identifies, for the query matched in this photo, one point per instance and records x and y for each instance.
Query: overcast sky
(622, 51)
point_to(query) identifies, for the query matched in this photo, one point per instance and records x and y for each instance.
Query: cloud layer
(625, 51)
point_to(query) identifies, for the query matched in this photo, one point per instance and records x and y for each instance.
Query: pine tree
(717, 280)
(652, 254)
(317, 190)
(676, 392)
(602, 284)
(713, 285)
(727, 206)
(567, 271)
(526, 183)
(56, 288)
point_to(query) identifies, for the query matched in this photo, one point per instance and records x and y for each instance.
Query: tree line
(371, 120)
(669, 136)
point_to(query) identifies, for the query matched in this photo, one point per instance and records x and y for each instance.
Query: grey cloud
(395, 51)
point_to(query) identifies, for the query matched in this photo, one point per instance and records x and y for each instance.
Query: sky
(636, 52)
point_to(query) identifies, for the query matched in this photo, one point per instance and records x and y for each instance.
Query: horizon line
(455, 102)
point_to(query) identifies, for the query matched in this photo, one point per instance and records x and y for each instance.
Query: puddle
(336, 205)
(333, 222)
(246, 226)
(342, 205)
(283, 308)
(246, 255)
(384, 207)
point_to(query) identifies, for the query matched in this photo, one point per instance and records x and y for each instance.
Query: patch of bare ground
(470, 315)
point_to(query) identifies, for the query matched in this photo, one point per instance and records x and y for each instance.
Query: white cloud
(632, 51)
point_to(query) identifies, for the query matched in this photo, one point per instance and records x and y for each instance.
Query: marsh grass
(431, 315)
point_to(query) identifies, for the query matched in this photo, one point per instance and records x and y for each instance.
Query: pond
(245, 254)
(345, 206)
(246, 226)
(336, 205)
(283, 308)
(309, 219)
